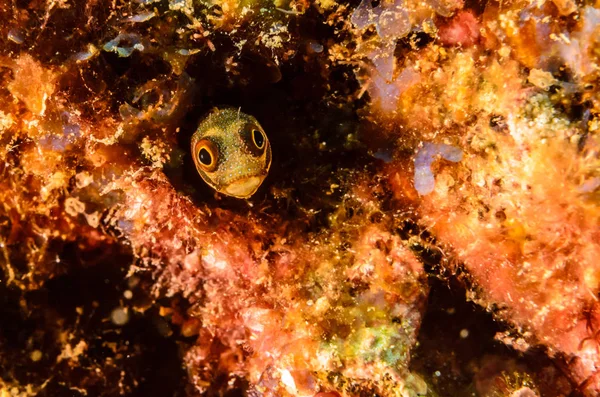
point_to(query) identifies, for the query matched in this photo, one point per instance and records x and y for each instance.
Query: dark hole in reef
(80, 303)
(498, 123)
(121, 76)
(308, 134)
(23, 3)
(414, 40)
(441, 349)
(477, 6)
(500, 215)
(407, 229)
(150, 360)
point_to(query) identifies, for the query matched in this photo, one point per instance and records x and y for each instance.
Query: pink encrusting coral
(520, 210)
(528, 237)
(462, 29)
(287, 316)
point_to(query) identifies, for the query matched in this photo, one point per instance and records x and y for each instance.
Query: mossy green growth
(543, 116)
(382, 343)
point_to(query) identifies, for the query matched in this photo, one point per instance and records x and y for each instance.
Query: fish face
(231, 152)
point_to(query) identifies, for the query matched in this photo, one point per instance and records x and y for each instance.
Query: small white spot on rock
(119, 316)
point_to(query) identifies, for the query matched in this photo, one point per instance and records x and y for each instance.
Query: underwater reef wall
(429, 226)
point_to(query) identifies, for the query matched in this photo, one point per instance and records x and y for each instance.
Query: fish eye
(258, 138)
(206, 155)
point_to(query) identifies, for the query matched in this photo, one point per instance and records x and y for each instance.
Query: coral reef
(429, 225)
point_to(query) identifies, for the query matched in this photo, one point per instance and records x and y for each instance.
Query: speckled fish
(231, 152)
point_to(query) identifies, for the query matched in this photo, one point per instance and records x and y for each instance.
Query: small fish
(232, 152)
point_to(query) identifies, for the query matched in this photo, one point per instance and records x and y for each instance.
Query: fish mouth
(244, 187)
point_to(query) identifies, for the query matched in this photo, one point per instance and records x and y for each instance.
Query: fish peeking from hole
(231, 152)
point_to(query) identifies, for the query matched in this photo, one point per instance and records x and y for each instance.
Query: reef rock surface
(430, 225)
